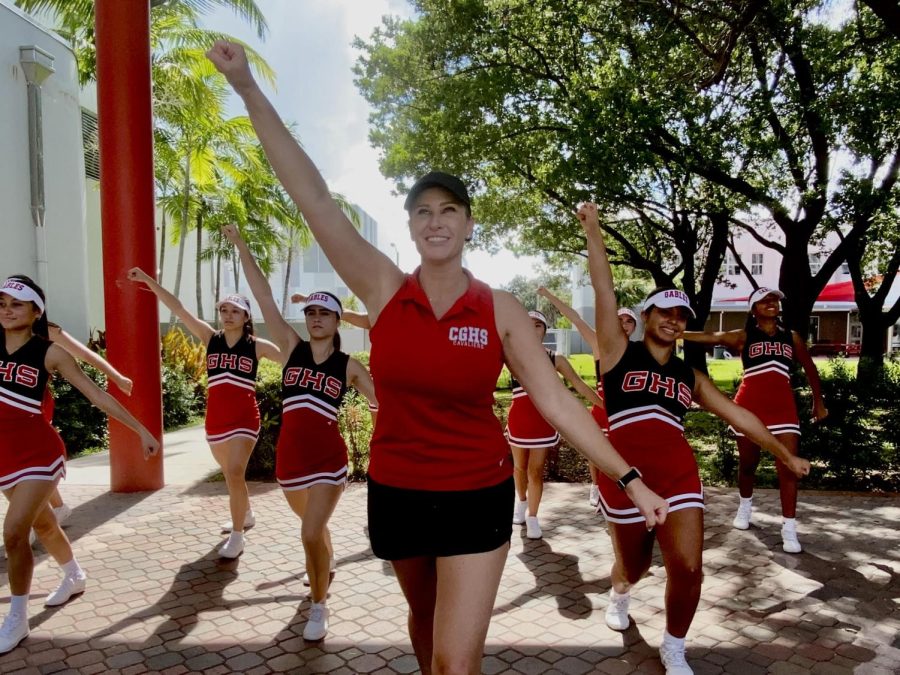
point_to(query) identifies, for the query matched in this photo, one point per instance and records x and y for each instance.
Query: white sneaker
(594, 496)
(742, 518)
(234, 546)
(62, 513)
(69, 586)
(789, 541)
(249, 521)
(533, 528)
(617, 611)
(673, 660)
(519, 511)
(332, 567)
(317, 625)
(13, 631)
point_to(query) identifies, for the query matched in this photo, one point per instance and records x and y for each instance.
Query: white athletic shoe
(742, 518)
(249, 521)
(332, 568)
(789, 541)
(617, 610)
(62, 513)
(594, 496)
(13, 631)
(69, 586)
(674, 661)
(533, 528)
(234, 546)
(316, 626)
(519, 512)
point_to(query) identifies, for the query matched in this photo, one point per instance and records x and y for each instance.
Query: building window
(815, 263)
(756, 264)
(731, 267)
(90, 141)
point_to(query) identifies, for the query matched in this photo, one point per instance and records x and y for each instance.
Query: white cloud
(310, 49)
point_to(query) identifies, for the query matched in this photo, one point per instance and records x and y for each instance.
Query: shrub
(181, 404)
(82, 426)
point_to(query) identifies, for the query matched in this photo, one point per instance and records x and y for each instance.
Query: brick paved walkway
(159, 598)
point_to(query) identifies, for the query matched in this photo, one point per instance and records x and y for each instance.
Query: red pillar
(126, 205)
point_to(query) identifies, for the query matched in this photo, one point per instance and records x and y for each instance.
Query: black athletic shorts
(410, 523)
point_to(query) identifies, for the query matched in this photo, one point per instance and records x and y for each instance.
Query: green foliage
(525, 289)
(356, 427)
(82, 426)
(181, 402)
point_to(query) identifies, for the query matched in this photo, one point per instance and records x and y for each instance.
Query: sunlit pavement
(159, 599)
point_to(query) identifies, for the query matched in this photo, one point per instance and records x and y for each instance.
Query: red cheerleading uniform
(646, 403)
(310, 448)
(525, 427)
(598, 413)
(30, 448)
(435, 381)
(765, 389)
(231, 407)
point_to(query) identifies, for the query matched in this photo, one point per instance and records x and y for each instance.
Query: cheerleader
(232, 413)
(768, 352)
(32, 455)
(647, 391)
(311, 457)
(531, 437)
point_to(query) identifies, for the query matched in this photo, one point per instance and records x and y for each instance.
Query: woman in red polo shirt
(440, 488)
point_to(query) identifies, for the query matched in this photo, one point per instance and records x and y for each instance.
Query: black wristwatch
(628, 477)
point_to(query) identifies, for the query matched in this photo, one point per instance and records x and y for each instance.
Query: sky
(309, 47)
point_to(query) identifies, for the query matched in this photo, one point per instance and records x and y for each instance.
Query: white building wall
(64, 185)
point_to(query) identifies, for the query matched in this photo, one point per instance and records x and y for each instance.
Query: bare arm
(587, 333)
(268, 350)
(801, 353)
(285, 337)
(368, 272)
(529, 362)
(567, 371)
(199, 329)
(733, 339)
(58, 360)
(82, 353)
(611, 341)
(360, 379)
(706, 393)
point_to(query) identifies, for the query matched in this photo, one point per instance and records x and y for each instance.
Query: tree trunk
(199, 264)
(218, 284)
(185, 211)
(162, 248)
(236, 268)
(287, 280)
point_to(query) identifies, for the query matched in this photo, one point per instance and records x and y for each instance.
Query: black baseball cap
(451, 184)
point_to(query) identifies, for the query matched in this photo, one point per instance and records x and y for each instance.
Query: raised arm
(584, 329)
(733, 339)
(284, 336)
(564, 368)
(801, 353)
(529, 362)
(368, 272)
(611, 341)
(82, 353)
(58, 360)
(199, 329)
(708, 395)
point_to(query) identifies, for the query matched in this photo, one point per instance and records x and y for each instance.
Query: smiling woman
(439, 461)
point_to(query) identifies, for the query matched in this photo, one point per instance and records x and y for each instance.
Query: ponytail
(336, 341)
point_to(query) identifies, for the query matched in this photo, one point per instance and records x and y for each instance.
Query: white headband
(539, 316)
(21, 291)
(326, 300)
(237, 301)
(669, 298)
(762, 292)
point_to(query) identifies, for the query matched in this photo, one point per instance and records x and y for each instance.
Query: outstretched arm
(706, 393)
(285, 337)
(587, 333)
(368, 272)
(733, 339)
(611, 341)
(82, 353)
(358, 319)
(58, 360)
(528, 361)
(268, 350)
(199, 329)
(360, 379)
(801, 353)
(567, 371)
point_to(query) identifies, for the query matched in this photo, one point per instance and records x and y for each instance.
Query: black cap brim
(445, 181)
